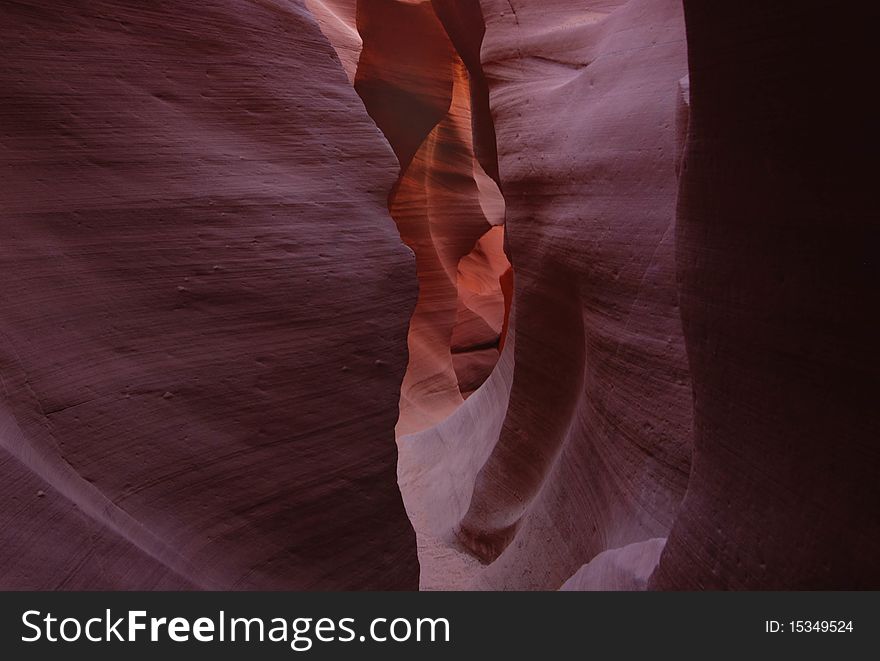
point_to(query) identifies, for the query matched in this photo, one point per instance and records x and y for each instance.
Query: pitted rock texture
(205, 304)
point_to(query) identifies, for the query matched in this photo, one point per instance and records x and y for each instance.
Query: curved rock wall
(594, 449)
(776, 253)
(588, 454)
(205, 304)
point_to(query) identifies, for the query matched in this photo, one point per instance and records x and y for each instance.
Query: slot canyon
(437, 294)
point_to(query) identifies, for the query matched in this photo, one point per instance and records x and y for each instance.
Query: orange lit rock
(418, 91)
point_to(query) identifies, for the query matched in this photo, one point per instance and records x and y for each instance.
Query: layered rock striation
(448, 209)
(589, 444)
(205, 305)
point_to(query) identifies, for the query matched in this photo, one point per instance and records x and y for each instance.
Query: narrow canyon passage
(450, 212)
(418, 88)
(447, 209)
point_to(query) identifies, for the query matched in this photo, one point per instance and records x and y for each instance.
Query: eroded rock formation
(776, 253)
(205, 305)
(238, 236)
(577, 450)
(447, 208)
(591, 451)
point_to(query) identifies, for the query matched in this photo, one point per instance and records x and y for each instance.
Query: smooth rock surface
(777, 263)
(594, 450)
(627, 568)
(579, 442)
(205, 304)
